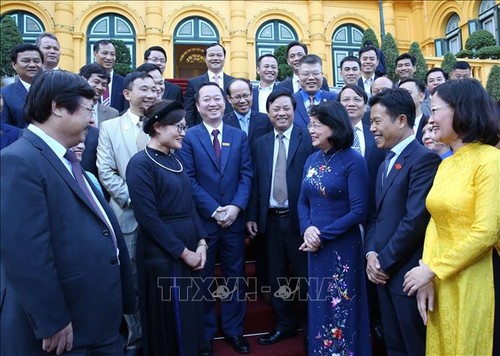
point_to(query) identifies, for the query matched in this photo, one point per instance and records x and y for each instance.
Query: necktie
(215, 79)
(388, 158)
(106, 100)
(142, 138)
(280, 191)
(311, 100)
(77, 172)
(244, 124)
(216, 143)
(356, 145)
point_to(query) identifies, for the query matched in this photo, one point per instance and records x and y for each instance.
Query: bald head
(380, 84)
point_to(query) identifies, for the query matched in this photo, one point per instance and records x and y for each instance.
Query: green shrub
(489, 52)
(369, 34)
(123, 58)
(493, 83)
(391, 52)
(416, 52)
(465, 53)
(449, 61)
(479, 39)
(284, 70)
(10, 37)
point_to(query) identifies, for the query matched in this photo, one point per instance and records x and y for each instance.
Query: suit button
(105, 233)
(114, 261)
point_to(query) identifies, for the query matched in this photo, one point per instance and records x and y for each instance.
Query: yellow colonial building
(247, 29)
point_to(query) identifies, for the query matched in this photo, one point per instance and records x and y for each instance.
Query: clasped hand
(226, 215)
(312, 241)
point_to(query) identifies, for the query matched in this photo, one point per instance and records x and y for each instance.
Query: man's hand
(252, 228)
(373, 270)
(425, 300)
(229, 214)
(60, 341)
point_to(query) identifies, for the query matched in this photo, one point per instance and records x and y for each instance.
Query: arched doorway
(190, 39)
(346, 41)
(111, 27)
(28, 24)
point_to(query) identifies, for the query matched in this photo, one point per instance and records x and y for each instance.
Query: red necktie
(105, 97)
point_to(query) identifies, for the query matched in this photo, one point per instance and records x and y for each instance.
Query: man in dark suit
(51, 49)
(274, 216)
(267, 69)
(215, 56)
(396, 231)
(217, 160)
(294, 52)
(417, 91)
(27, 61)
(254, 123)
(368, 56)
(310, 93)
(67, 275)
(105, 55)
(158, 57)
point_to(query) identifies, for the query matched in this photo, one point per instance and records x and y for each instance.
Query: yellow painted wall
(237, 23)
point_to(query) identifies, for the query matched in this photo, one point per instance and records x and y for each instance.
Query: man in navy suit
(105, 55)
(395, 236)
(417, 91)
(217, 160)
(294, 52)
(368, 56)
(267, 69)
(254, 123)
(27, 61)
(66, 277)
(310, 93)
(158, 57)
(277, 222)
(215, 57)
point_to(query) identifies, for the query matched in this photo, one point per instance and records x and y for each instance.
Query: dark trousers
(285, 261)
(404, 331)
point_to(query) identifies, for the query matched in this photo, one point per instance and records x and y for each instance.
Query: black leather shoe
(207, 349)
(240, 344)
(276, 336)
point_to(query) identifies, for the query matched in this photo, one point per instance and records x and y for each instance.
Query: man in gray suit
(119, 139)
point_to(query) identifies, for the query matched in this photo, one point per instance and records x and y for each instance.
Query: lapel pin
(227, 144)
(397, 166)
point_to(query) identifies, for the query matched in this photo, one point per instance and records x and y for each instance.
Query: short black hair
(412, 59)
(205, 84)
(147, 68)
(277, 94)
(132, 77)
(264, 56)
(475, 115)
(93, 68)
(214, 45)
(100, 43)
(349, 59)
(335, 116)
(436, 69)
(366, 49)
(357, 89)
(47, 89)
(310, 59)
(296, 43)
(228, 91)
(461, 65)
(25, 47)
(420, 86)
(396, 102)
(147, 52)
(38, 40)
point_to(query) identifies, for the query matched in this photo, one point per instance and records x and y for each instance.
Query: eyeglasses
(308, 74)
(181, 128)
(314, 125)
(239, 97)
(156, 60)
(90, 109)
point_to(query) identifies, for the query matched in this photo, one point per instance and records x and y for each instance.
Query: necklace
(323, 166)
(165, 167)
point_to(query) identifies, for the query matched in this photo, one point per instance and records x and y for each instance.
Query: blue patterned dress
(334, 198)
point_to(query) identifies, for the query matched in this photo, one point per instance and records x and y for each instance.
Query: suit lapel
(128, 132)
(206, 141)
(302, 111)
(269, 153)
(369, 142)
(226, 146)
(295, 138)
(252, 125)
(21, 91)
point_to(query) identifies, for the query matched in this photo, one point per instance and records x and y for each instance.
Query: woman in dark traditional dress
(333, 203)
(171, 245)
